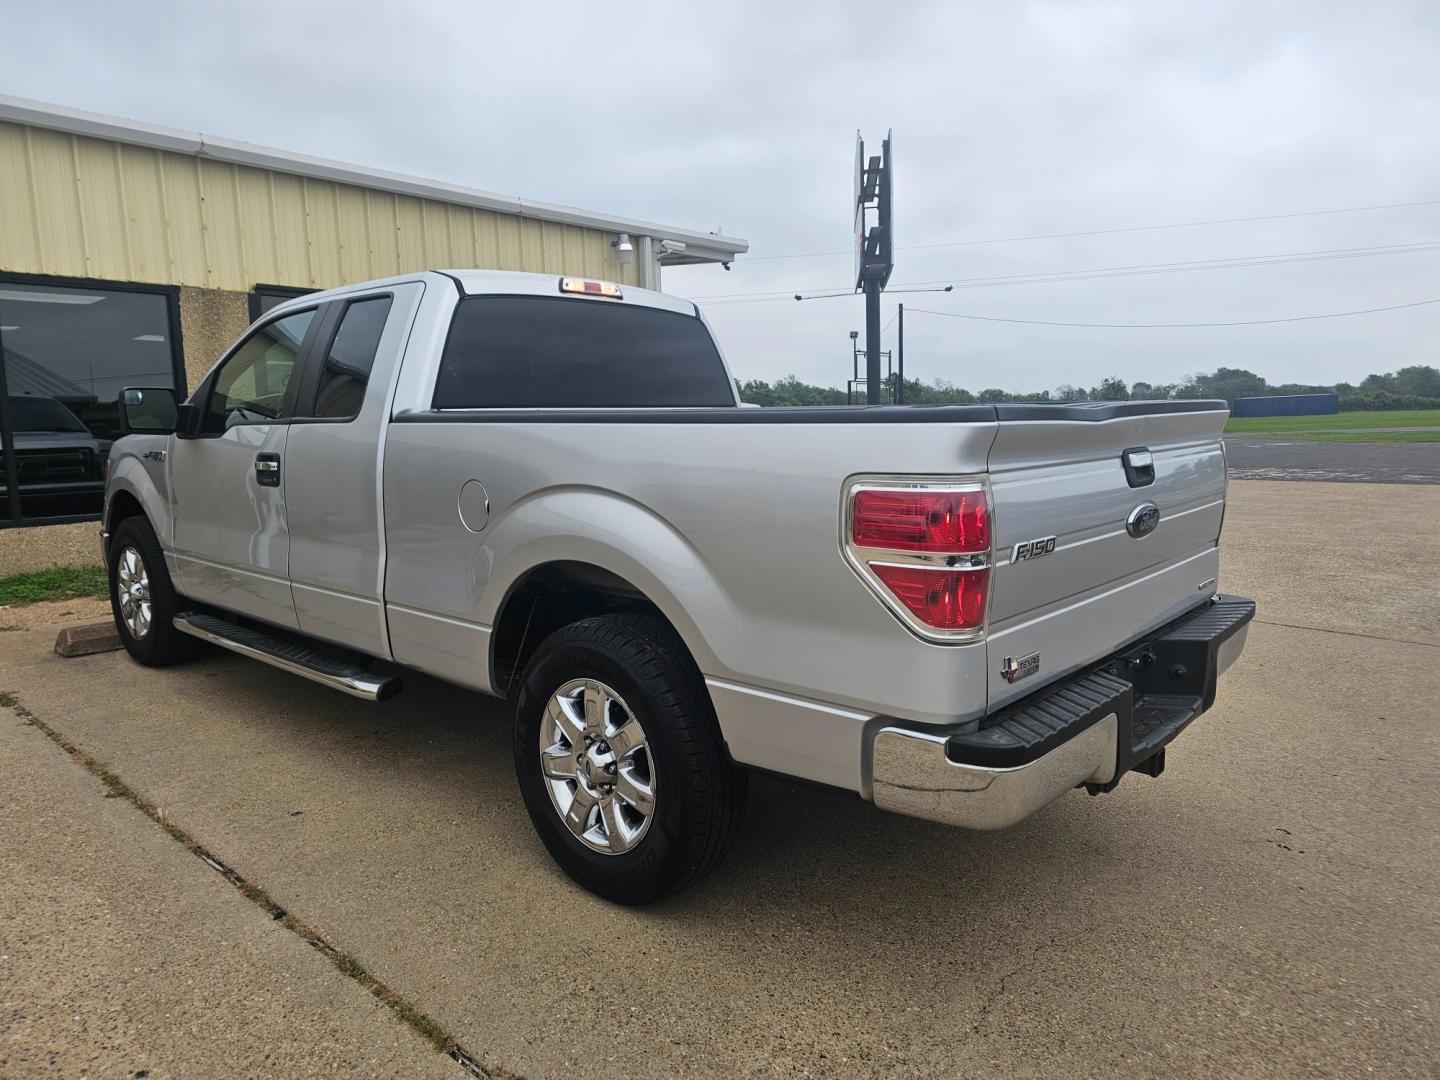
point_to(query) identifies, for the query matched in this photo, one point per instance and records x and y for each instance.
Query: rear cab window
(527, 352)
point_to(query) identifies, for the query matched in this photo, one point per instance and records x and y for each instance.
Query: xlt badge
(1013, 669)
(1032, 549)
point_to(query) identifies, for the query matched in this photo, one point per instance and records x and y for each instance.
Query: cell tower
(874, 248)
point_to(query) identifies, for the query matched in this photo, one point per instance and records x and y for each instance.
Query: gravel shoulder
(53, 613)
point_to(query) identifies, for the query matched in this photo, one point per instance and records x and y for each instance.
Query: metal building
(132, 254)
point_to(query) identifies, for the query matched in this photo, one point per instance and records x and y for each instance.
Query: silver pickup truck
(546, 489)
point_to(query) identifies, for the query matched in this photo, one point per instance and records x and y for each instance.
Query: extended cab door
(232, 546)
(332, 461)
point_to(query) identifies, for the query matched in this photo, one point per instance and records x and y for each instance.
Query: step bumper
(1090, 729)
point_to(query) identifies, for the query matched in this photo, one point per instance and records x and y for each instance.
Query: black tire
(699, 795)
(161, 644)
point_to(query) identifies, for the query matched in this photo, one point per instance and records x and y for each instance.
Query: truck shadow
(819, 865)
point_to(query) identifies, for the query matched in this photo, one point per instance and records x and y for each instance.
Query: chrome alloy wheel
(132, 591)
(597, 766)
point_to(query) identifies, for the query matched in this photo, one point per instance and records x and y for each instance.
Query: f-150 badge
(1033, 549)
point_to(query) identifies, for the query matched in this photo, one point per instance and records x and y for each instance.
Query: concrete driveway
(1271, 905)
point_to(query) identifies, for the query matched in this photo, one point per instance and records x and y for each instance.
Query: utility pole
(872, 343)
(854, 367)
(900, 382)
(874, 249)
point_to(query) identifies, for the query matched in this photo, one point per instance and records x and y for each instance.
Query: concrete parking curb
(88, 638)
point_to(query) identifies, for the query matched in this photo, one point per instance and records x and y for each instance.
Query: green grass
(1291, 425)
(57, 583)
(1365, 436)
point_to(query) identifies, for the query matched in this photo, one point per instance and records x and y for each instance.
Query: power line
(1135, 270)
(1240, 262)
(1172, 326)
(1109, 232)
(899, 290)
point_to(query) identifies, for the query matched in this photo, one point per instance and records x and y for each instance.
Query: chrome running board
(347, 676)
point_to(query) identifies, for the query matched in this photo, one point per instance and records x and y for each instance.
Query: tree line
(1415, 387)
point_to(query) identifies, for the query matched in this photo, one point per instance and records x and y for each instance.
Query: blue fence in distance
(1287, 405)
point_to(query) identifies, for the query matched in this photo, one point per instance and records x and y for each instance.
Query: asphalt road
(1278, 458)
(1267, 907)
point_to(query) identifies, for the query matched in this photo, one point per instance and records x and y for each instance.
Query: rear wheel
(620, 759)
(142, 597)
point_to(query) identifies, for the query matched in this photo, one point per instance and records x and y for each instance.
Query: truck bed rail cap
(718, 414)
(1079, 411)
(1093, 411)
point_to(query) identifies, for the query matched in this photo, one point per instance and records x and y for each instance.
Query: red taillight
(944, 599)
(924, 547)
(948, 522)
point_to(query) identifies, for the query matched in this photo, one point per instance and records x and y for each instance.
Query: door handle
(267, 470)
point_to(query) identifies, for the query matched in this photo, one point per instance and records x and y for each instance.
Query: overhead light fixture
(148, 337)
(25, 296)
(4, 328)
(624, 249)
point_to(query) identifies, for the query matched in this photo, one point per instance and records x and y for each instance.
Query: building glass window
(265, 298)
(68, 350)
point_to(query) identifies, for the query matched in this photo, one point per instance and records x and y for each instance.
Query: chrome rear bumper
(914, 776)
(1090, 729)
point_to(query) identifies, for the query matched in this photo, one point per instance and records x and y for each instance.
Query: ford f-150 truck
(546, 489)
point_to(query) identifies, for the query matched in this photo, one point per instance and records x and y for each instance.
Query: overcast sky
(1010, 119)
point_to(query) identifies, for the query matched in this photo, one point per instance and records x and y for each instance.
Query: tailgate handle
(1139, 466)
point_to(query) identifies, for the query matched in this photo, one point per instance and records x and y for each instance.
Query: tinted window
(68, 351)
(351, 355)
(539, 352)
(250, 387)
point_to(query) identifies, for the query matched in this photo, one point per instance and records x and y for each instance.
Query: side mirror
(148, 410)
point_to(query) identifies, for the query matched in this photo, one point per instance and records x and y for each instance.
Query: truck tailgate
(1100, 586)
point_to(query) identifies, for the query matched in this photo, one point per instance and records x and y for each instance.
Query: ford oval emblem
(1142, 520)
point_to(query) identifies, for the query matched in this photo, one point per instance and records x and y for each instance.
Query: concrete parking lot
(1270, 906)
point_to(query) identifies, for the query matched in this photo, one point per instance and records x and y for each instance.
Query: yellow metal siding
(82, 207)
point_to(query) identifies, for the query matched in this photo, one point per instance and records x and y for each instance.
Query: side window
(351, 355)
(250, 387)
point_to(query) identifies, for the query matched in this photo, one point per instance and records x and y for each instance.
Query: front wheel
(142, 597)
(620, 759)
